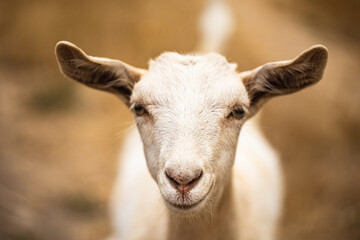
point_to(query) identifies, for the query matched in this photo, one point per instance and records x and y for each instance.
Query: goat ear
(279, 78)
(99, 73)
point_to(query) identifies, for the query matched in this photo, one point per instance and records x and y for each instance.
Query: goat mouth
(186, 206)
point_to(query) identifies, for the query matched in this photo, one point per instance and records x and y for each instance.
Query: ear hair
(279, 78)
(99, 73)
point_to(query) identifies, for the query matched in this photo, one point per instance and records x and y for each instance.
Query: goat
(188, 175)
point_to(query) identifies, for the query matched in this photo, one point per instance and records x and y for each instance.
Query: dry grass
(59, 140)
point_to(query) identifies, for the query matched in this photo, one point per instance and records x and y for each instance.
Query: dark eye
(139, 110)
(237, 113)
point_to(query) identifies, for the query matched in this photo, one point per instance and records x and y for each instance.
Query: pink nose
(183, 181)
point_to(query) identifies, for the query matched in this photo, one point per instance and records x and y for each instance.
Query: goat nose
(183, 181)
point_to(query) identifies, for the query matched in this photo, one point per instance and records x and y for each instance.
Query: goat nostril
(197, 178)
(172, 180)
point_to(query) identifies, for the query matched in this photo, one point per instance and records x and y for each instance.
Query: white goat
(189, 110)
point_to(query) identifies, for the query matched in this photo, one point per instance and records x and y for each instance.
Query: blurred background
(59, 141)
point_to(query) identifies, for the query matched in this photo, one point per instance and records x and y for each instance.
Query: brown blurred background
(59, 141)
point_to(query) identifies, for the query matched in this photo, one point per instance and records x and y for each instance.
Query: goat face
(189, 111)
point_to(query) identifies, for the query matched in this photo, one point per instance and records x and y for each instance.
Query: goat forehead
(179, 79)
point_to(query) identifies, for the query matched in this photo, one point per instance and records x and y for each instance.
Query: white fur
(188, 98)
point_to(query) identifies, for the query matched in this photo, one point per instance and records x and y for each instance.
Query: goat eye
(139, 110)
(237, 113)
